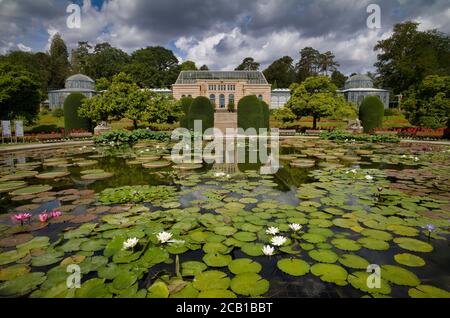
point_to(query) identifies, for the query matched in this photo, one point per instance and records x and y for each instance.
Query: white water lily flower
(416, 159)
(219, 174)
(268, 250)
(278, 240)
(295, 227)
(130, 243)
(369, 177)
(273, 230)
(164, 237)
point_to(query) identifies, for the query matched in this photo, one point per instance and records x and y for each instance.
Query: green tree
(153, 67)
(248, 64)
(371, 113)
(338, 79)
(80, 58)
(317, 97)
(188, 66)
(204, 68)
(281, 73)
(71, 119)
(102, 84)
(429, 105)
(19, 93)
(410, 55)
(59, 63)
(308, 65)
(162, 109)
(327, 63)
(106, 61)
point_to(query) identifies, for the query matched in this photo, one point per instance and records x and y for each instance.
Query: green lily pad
(217, 293)
(373, 244)
(399, 275)
(11, 185)
(215, 248)
(245, 236)
(216, 259)
(187, 292)
(124, 280)
(409, 260)
(97, 176)
(12, 256)
(359, 280)
(192, 268)
(323, 256)
(427, 291)
(18, 175)
(330, 273)
(48, 258)
(413, 245)
(314, 238)
(32, 190)
(252, 249)
(403, 230)
(21, 285)
(376, 234)
(36, 242)
(11, 272)
(293, 267)
(156, 164)
(53, 175)
(93, 288)
(249, 284)
(353, 261)
(211, 280)
(346, 244)
(244, 265)
(110, 271)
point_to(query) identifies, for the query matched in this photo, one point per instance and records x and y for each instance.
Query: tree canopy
(410, 55)
(59, 63)
(429, 105)
(316, 97)
(281, 73)
(248, 64)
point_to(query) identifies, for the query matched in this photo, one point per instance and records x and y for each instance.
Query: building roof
(80, 77)
(359, 77)
(191, 77)
(73, 90)
(362, 89)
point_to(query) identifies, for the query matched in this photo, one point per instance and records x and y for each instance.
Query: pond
(128, 222)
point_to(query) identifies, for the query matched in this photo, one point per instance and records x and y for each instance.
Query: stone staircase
(224, 120)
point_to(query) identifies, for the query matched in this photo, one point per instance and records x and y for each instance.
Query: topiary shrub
(371, 113)
(186, 103)
(252, 113)
(201, 109)
(72, 120)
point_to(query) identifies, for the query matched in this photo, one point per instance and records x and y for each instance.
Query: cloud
(220, 33)
(24, 48)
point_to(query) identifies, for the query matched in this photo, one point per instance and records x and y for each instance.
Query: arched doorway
(212, 98)
(222, 101)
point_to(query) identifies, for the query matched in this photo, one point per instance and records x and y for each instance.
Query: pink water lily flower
(56, 214)
(21, 217)
(43, 217)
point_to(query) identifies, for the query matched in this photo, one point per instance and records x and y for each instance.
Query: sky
(220, 33)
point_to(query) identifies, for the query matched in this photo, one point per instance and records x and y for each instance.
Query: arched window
(231, 99)
(260, 97)
(222, 101)
(189, 95)
(183, 96)
(212, 98)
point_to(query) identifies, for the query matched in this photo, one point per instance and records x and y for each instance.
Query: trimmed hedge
(252, 113)
(72, 120)
(125, 136)
(186, 103)
(201, 109)
(371, 113)
(338, 135)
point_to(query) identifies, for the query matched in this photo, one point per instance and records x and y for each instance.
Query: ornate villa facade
(222, 88)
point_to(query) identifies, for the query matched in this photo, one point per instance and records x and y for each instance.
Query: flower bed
(414, 132)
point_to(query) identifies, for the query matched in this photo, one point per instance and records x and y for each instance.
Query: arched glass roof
(191, 77)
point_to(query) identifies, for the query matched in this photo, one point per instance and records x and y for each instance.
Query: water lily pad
(427, 291)
(19, 175)
(14, 240)
(403, 230)
(217, 260)
(11, 185)
(48, 258)
(211, 280)
(21, 285)
(245, 236)
(92, 171)
(192, 268)
(353, 261)
(323, 256)
(409, 260)
(225, 230)
(53, 175)
(413, 245)
(252, 249)
(359, 280)
(314, 238)
(124, 280)
(293, 267)
(216, 293)
(244, 265)
(11, 272)
(97, 176)
(376, 234)
(32, 190)
(330, 273)
(156, 164)
(399, 275)
(346, 244)
(249, 284)
(187, 166)
(187, 292)
(215, 248)
(373, 244)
